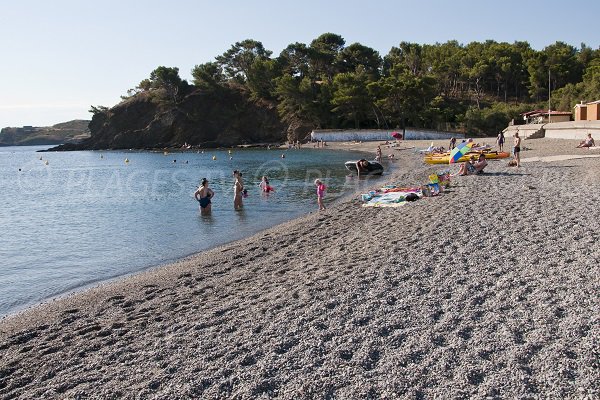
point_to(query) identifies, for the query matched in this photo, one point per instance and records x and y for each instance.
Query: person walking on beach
(203, 195)
(320, 193)
(378, 154)
(452, 143)
(517, 149)
(500, 141)
(238, 188)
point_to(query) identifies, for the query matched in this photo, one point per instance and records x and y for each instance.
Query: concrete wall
(593, 112)
(366, 135)
(528, 131)
(572, 130)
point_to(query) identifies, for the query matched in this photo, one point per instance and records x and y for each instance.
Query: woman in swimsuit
(203, 196)
(320, 193)
(588, 142)
(238, 188)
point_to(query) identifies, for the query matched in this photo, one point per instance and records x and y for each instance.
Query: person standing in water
(203, 195)
(320, 193)
(238, 188)
(264, 185)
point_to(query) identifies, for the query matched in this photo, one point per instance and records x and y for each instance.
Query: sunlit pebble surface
(486, 291)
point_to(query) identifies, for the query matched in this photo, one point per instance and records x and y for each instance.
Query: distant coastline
(73, 131)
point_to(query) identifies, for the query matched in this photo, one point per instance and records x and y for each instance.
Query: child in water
(320, 193)
(264, 185)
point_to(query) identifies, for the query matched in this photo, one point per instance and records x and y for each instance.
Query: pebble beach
(489, 290)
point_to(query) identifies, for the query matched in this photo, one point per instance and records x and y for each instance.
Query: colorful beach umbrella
(397, 135)
(459, 151)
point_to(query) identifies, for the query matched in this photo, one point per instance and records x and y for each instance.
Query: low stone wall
(366, 135)
(556, 130)
(573, 130)
(529, 131)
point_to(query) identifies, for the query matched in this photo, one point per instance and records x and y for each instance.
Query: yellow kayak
(444, 158)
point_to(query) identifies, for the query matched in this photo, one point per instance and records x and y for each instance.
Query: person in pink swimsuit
(320, 193)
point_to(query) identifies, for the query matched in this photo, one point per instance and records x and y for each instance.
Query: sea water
(71, 219)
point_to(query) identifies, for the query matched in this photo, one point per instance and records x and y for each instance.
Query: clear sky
(59, 57)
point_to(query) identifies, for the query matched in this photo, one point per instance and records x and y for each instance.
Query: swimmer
(203, 195)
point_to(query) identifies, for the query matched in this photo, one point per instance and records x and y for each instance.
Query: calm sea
(71, 219)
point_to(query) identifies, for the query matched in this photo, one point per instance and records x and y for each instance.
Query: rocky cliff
(205, 119)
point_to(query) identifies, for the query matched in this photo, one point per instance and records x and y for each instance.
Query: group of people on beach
(204, 194)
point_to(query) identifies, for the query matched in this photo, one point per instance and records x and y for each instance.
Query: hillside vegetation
(248, 95)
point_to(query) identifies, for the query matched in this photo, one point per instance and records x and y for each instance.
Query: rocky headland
(200, 119)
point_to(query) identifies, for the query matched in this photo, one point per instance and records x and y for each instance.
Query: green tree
(402, 95)
(166, 83)
(208, 76)
(237, 61)
(356, 56)
(350, 96)
(262, 77)
(323, 55)
(294, 60)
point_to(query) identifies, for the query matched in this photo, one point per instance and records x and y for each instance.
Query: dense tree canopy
(477, 87)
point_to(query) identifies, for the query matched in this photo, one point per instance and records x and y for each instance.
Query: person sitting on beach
(203, 196)
(588, 142)
(473, 167)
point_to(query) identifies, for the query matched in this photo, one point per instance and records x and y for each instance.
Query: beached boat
(444, 158)
(374, 168)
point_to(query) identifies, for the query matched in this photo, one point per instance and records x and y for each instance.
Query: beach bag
(411, 197)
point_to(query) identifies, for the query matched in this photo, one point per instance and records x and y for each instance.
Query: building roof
(536, 113)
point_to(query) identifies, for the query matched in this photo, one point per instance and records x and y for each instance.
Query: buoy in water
(229, 151)
(283, 156)
(126, 160)
(40, 157)
(214, 158)
(46, 162)
(231, 158)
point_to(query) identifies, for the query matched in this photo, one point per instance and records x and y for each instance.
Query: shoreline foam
(485, 291)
